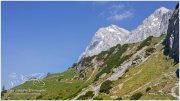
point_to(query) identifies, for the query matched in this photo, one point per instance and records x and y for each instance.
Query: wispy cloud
(121, 16)
(117, 12)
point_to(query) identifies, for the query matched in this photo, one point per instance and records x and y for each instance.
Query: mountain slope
(134, 78)
(129, 71)
(155, 25)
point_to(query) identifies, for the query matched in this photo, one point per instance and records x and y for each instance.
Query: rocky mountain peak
(104, 39)
(162, 10)
(154, 25)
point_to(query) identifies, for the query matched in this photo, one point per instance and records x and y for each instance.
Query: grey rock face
(171, 41)
(155, 25)
(105, 38)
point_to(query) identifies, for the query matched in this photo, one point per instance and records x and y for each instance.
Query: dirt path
(83, 92)
(94, 88)
(95, 69)
(139, 88)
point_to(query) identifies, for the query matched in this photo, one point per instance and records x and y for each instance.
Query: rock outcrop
(171, 41)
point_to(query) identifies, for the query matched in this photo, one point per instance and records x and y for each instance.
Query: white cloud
(120, 16)
(117, 12)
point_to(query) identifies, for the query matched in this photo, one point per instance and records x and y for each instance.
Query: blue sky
(42, 37)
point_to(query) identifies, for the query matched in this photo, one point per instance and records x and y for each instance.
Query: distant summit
(155, 25)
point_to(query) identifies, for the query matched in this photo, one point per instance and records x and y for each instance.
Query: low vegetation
(144, 43)
(148, 89)
(113, 60)
(102, 96)
(53, 89)
(136, 96)
(106, 86)
(149, 51)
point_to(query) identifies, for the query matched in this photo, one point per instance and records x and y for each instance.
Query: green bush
(57, 98)
(120, 78)
(88, 95)
(39, 97)
(136, 96)
(126, 70)
(149, 51)
(146, 42)
(148, 89)
(106, 86)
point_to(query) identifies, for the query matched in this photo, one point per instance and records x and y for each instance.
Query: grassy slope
(147, 74)
(151, 70)
(53, 89)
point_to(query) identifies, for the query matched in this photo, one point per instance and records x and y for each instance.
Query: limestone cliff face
(171, 41)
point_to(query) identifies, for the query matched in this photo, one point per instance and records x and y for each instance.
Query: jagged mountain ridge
(155, 25)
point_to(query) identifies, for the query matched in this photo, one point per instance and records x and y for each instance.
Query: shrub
(136, 96)
(151, 50)
(60, 79)
(126, 70)
(148, 89)
(57, 98)
(106, 86)
(120, 77)
(39, 97)
(89, 93)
